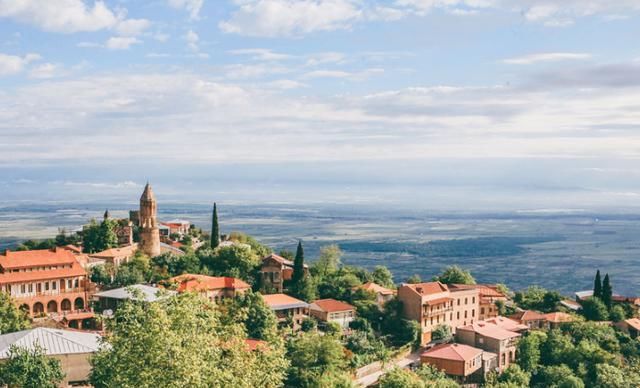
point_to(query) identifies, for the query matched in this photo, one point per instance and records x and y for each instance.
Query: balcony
(432, 313)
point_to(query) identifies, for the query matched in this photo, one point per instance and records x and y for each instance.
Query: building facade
(288, 309)
(456, 360)
(432, 304)
(275, 270)
(213, 288)
(46, 282)
(149, 233)
(489, 297)
(331, 310)
(491, 338)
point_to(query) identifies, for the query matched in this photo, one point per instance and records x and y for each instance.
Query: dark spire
(106, 214)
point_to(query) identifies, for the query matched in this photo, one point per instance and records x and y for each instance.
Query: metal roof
(149, 293)
(53, 341)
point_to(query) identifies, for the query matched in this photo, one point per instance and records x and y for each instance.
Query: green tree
(305, 289)
(455, 275)
(329, 260)
(313, 355)
(382, 276)
(594, 309)
(180, 341)
(298, 266)
(414, 279)
(30, 368)
(529, 350)
(597, 286)
(557, 348)
(557, 376)
(441, 332)
(101, 275)
(235, 260)
(215, 228)
(401, 378)
(259, 320)
(617, 313)
(514, 375)
(607, 291)
(11, 317)
(308, 324)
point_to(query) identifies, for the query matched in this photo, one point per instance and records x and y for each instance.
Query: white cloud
(192, 40)
(354, 76)
(44, 71)
(546, 57)
(121, 42)
(192, 6)
(13, 64)
(61, 15)
(132, 27)
(326, 57)
(286, 84)
(261, 54)
(291, 17)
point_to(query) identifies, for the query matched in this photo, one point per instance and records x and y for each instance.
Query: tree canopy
(11, 317)
(455, 275)
(30, 368)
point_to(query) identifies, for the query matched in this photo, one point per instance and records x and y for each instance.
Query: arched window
(79, 304)
(38, 308)
(65, 305)
(52, 306)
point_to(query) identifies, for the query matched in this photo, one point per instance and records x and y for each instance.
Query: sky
(483, 104)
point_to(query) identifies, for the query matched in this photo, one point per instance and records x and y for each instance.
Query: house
(630, 326)
(383, 295)
(555, 320)
(331, 310)
(179, 227)
(488, 294)
(72, 348)
(108, 301)
(45, 282)
(432, 304)
(116, 256)
(275, 270)
(533, 319)
(571, 304)
(491, 338)
(457, 360)
(213, 288)
(287, 308)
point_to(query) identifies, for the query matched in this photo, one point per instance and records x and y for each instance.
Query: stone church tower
(149, 233)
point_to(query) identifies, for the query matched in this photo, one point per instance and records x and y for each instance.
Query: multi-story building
(433, 304)
(489, 296)
(275, 270)
(533, 319)
(491, 338)
(288, 309)
(47, 282)
(213, 288)
(331, 310)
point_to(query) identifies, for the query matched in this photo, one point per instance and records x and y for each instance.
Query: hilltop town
(144, 302)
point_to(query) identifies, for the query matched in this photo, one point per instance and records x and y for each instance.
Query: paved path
(401, 363)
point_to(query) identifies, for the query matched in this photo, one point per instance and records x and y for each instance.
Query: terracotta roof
(489, 330)
(633, 322)
(527, 315)
(36, 258)
(378, 289)
(331, 305)
(507, 323)
(428, 288)
(19, 277)
(254, 344)
(195, 282)
(125, 251)
(279, 259)
(283, 301)
(454, 352)
(485, 290)
(559, 317)
(73, 248)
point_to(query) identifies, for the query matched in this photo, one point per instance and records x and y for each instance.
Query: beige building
(488, 294)
(149, 233)
(457, 360)
(432, 304)
(491, 338)
(72, 348)
(275, 270)
(214, 288)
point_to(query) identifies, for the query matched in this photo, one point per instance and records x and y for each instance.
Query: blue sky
(476, 97)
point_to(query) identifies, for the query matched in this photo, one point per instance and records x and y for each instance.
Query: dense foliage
(30, 369)
(11, 317)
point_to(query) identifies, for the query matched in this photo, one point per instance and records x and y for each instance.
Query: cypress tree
(607, 291)
(298, 265)
(597, 286)
(215, 229)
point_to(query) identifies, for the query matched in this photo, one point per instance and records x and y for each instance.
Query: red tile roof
(453, 352)
(254, 344)
(436, 301)
(195, 282)
(281, 301)
(507, 324)
(126, 251)
(281, 260)
(527, 315)
(332, 305)
(490, 330)
(376, 288)
(36, 258)
(428, 288)
(559, 317)
(633, 322)
(19, 277)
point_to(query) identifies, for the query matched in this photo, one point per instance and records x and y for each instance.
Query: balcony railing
(434, 312)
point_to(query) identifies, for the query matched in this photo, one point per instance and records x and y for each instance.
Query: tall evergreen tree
(215, 229)
(597, 286)
(298, 265)
(607, 291)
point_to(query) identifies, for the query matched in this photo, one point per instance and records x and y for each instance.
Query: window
(30, 287)
(46, 286)
(466, 300)
(451, 316)
(473, 300)
(458, 315)
(473, 312)
(54, 284)
(458, 302)
(22, 288)
(465, 314)
(69, 283)
(481, 310)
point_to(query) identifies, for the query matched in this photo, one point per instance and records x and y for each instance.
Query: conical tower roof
(147, 194)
